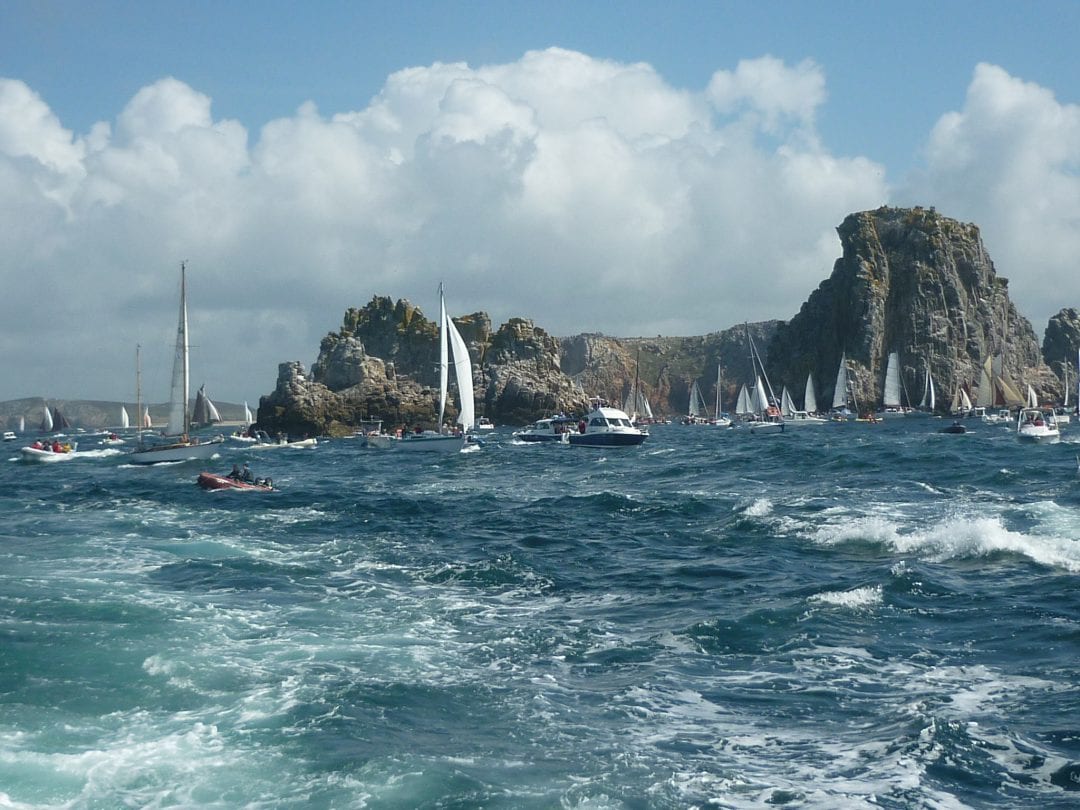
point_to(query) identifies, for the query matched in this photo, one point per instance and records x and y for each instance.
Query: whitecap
(857, 598)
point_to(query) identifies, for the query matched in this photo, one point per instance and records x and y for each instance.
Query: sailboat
(184, 447)
(926, 404)
(765, 416)
(125, 420)
(890, 399)
(204, 412)
(637, 403)
(807, 416)
(1063, 412)
(840, 410)
(697, 413)
(437, 441)
(721, 419)
(46, 420)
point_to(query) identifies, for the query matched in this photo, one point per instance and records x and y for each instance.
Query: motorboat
(604, 426)
(212, 481)
(552, 429)
(48, 452)
(1038, 426)
(9, 436)
(483, 423)
(956, 427)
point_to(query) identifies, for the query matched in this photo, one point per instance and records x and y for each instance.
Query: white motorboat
(604, 426)
(552, 429)
(1038, 426)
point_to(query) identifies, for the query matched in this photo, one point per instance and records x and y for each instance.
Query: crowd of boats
(757, 409)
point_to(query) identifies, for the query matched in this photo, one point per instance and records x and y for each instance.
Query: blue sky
(678, 136)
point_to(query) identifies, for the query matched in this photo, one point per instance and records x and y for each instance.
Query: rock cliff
(1060, 343)
(914, 282)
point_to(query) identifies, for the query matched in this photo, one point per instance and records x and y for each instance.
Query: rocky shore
(909, 280)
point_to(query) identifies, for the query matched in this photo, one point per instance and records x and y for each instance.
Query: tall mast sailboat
(183, 446)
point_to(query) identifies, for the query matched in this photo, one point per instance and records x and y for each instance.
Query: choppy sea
(865, 616)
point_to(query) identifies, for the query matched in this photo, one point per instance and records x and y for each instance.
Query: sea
(840, 616)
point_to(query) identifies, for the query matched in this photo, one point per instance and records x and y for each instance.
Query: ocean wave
(956, 538)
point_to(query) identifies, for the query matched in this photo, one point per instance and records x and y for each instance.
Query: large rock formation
(1060, 343)
(383, 362)
(914, 282)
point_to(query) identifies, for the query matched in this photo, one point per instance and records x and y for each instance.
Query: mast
(138, 397)
(443, 358)
(184, 335)
(718, 392)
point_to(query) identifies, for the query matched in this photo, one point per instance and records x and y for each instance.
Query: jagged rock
(914, 282)
(523, 378)
(1061, 341)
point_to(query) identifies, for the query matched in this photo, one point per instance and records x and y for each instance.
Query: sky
(619, 167)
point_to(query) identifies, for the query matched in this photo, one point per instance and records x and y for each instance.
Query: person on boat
(57, 447)
(245, 475)
(37, 445)
(235, 474)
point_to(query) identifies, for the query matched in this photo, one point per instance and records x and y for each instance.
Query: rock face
(1060, 343)
(917, 283)
(383, 362)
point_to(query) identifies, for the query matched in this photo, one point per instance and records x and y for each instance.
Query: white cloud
(584, 193)
(1008, 161)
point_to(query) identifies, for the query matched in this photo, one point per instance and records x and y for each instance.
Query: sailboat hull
(181, 451)
(430, 443)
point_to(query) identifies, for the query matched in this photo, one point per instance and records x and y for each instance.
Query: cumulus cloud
(1008, 161)
(585, 193)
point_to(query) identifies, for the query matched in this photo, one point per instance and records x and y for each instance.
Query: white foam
(866, 596)
(759, 508)
(956, 538)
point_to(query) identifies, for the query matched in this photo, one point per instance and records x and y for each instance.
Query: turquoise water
(843, 616)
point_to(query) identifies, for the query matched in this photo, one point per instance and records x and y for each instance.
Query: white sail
(927, 403)
(212, 411)
(761, 402)
(463, 374)
(125, 421)
(146, 421)
(891, 397)
(985, 396)
(178, 393)
(46, 421)
(697, 403)
(787, 405)
(809, 398)
(22, 424)
(248, 418)
(743, 405)
(718, 411)
(965, 400)
(646, 408)
(839, 399)
(1032, 400)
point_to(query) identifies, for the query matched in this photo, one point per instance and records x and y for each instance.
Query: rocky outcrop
(1061, 341)
(914, 282)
